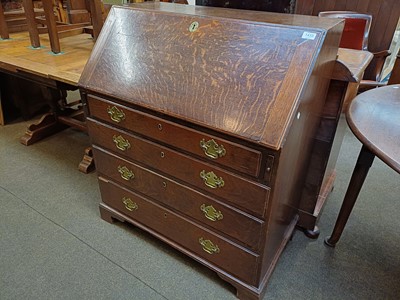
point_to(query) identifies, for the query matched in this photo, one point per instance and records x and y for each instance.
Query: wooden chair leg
(51, 26)
(3, 25)
(97, 17)
(30, 20)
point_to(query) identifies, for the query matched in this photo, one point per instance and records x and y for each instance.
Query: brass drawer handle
(208, 246)
(121, 143)
(211, 213)
(211, 180)
(129, 204)
(117, 115)
(212, 149)
(126, 173)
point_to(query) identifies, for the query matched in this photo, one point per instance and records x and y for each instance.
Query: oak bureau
(202, 121)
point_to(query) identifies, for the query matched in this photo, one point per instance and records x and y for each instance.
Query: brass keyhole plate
(194, 26)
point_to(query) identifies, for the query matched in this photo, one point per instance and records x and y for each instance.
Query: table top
(374, 118)
(17, 55)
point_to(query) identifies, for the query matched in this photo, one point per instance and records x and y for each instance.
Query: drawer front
(247, 195)
(238, 157)
(203, 243)
(242, 227)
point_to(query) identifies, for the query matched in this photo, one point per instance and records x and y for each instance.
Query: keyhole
(193, 27)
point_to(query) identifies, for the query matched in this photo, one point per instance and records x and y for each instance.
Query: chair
(355, 36)
(14, 20)
(3, 25)
(395, 74)
(356, 28)
(57, 29)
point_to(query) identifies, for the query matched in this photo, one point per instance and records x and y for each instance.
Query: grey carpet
(54, 245)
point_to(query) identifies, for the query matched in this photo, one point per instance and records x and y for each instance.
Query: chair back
(356, 28)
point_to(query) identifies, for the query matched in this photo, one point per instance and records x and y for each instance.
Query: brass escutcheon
(121, 143)
(126, 173)
(211, 180)
(211, 213)
(212, 149)
(208, 246)
(194, 26)
(116, 114)
(129, 204)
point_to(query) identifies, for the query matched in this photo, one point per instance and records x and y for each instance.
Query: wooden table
(55, 74)
(374, 118)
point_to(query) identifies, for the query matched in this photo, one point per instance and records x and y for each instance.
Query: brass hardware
(159, 126)
(121, 143)
(126, 173)
(164, 184)
(208, 246)
(211, 213)
(194, 26)
(211, 180)
(117, 115)
(212, 149)
(162, 154)
(129, 204)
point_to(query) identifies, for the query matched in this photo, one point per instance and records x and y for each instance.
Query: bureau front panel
(242, 227)
(248, 195)
(199, 241)
(220, 151)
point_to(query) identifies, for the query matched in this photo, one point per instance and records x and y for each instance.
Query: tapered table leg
(364, 162)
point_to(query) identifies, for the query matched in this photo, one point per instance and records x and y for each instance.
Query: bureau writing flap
(245, 77)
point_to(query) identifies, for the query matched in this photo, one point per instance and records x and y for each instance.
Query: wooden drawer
(226, 255)
(238, 225)
(235, 156)
(248, 195)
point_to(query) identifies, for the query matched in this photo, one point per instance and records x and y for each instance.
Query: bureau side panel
(296, 154)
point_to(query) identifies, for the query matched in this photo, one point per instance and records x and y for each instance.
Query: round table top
(374, 118)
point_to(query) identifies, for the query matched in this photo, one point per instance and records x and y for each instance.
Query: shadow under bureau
(202, 123)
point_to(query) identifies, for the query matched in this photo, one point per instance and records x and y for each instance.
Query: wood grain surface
(236, 76)
(374, 118)
(16, 55)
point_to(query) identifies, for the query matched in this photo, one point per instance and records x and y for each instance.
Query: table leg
(48, 124)
(364, 162)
